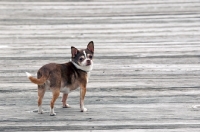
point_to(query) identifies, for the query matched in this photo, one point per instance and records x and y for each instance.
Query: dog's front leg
(82, 96)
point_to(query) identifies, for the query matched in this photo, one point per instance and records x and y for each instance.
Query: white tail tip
(28, 74)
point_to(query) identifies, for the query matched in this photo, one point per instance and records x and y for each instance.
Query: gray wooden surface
(146, 73)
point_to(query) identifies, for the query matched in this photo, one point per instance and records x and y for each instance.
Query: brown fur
(59, 75)
(39, 81)
(54, 77)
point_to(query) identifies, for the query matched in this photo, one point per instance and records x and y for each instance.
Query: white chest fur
(88, 76)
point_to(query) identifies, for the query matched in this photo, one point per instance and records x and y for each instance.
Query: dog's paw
(41, 112)
(66, 106)
(83, 109)
(52, 114)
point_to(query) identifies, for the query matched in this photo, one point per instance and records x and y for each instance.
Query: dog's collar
(83, 68)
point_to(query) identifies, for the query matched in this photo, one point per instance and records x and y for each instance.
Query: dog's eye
(90, 56)
(81, 59)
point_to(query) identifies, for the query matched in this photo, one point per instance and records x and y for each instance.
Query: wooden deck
(146, 73)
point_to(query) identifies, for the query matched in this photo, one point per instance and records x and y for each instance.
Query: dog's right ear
(74, 51)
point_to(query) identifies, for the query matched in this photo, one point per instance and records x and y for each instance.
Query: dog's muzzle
(88, 63)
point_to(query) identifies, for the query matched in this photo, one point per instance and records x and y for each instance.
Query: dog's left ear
(90, 46)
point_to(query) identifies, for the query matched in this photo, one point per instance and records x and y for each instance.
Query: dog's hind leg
(56, 93)
(64, 101)
(41, 92)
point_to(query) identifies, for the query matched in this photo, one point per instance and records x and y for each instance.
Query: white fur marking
(40, 110)
(28, 74)
(88, 76)
(83, 109)
(84, 54)
(52, 112)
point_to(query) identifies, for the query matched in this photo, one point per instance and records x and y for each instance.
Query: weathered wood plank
(146, 73)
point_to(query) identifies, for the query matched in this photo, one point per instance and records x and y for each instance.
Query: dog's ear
(74, 51)
(90, 46)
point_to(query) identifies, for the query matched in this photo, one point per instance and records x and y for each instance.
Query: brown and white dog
(65, 77)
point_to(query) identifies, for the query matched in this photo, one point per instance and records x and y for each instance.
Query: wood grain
(146, 73)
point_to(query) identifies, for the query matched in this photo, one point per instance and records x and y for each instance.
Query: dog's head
(82, 59)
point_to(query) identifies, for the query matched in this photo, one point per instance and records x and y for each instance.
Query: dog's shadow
(44, 111)
(59, 110)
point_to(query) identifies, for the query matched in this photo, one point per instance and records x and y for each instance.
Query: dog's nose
(88, 62)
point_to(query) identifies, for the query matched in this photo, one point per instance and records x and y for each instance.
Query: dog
(65, 77)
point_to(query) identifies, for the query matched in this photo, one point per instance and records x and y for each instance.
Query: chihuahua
(65, 77)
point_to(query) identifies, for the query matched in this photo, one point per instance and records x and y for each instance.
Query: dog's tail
(39, 81)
